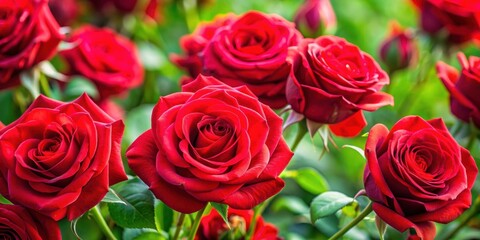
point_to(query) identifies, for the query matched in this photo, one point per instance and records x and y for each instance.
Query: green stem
(196, 223)
(180, 221)
(257, 211)
(466, 218)
(97, 215)
(353, 223)
(301, 131)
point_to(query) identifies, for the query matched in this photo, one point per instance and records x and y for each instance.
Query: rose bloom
(398, 50)
(59, 159)
(105, 57)
(417, 174)
(463, 87)
(212, 226)
(194, 44)
(252, 51)
(460, 19)
(211, 143)
(28, 35)
(18, 223)
(315, 18)
(332, 81)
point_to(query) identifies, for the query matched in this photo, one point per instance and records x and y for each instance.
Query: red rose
(398, 51)
(28, 35)
(18, 223)
(64, 11)
(332, 81)
(108, 59)
(60, 158)
(213, 143)
(416, 174)
(193, 44)
(461, 19)
(212, 226)
(463, 88)
(315, 18)
(252, 51)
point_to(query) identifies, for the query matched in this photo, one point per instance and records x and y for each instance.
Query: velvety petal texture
(28, 35)
(17, 223)
(194, 44)
(60, 158)
(463, 88)
(212, 226)
(459, 19)
(105, 57)
(211, 143)
(417, 174)
(250, 50)
(332, 80)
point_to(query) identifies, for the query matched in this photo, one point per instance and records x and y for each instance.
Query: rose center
(6, 232)
(421, 163)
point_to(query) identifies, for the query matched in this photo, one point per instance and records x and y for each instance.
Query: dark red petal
(425, 230)
(251, 195)
(142, 155)
(349, 127)
(375, 140)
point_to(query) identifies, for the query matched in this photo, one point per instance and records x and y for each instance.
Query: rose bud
(64, 11)
(460, 20)
(194, 44)
(211, 143)
(59, 159)
(107, 58)
(417, 174)
(315, 18)
(212, 226)
(398, 51)
(17, 222)
(332, 81)
(28, 35)
(464, 88)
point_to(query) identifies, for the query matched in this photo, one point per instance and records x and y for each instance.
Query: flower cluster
(101, 120)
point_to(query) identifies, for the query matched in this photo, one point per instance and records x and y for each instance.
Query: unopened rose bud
(315, 18)
(398, 50)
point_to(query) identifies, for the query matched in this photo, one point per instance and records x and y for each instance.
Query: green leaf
(112, 197)
(79, 85)
(311, 180)
(138, 212)
(163, 216)
(328, 203)
(143, 234)
(359, 150)
(30, 80)
(222, 209)
(137, 121)
(150, 55)
(290, 203)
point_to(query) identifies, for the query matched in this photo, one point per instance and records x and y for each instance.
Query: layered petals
(213, 143)
(417, 174)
